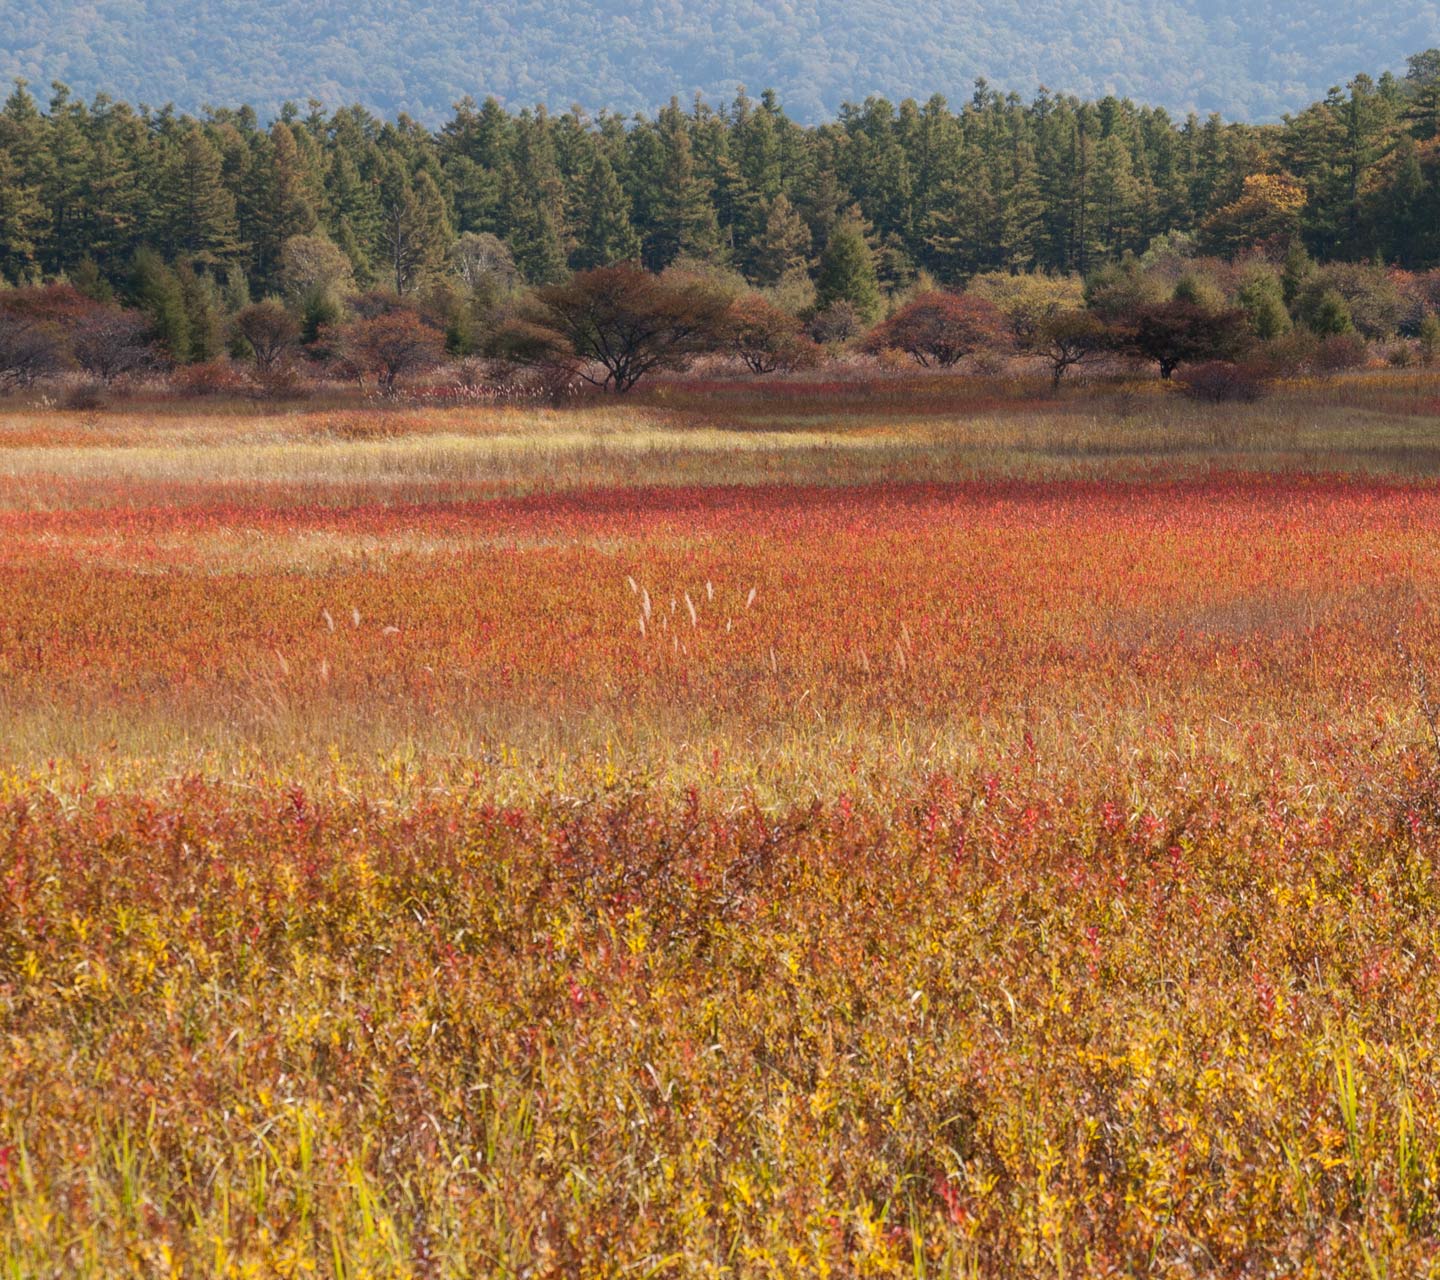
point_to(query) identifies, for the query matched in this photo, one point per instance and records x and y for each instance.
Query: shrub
(940, 329)
(1341, 351)
(1288, 356)
(86, 397)
(280, 382)
(1225, 382)
(1373, 301)
(210, 378)
(835, 325)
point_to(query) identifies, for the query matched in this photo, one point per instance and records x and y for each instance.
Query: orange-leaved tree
(767, 338)
(389, 346)
(940, 328)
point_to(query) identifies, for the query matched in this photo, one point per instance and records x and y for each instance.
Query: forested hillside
(1248, 60)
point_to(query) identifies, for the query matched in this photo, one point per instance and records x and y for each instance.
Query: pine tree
(847, 269)
(738, 208)
(1114, 198)
(65, 188)
(414, 229)
(110, 203)
(283, 207)
(1021, 210)
(20, 218)
(783, 247)
(155, 290)
(197, 214)
(533, 230)
(964, 232)
(1400, 205)
(685, 220)
(204, 313)
(532, 215)
(25, 146)
(606, 234)
(1262, 298)
(757, 149)
(350, 245)
(352, 209)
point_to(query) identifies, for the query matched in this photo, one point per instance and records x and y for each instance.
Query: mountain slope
(1247, 60)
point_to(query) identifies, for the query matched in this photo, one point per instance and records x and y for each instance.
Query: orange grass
(1003, 878)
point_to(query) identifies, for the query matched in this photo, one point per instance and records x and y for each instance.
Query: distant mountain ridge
(1246, 60)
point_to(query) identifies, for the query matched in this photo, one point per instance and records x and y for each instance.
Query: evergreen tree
(1022, 211)
(532, 201)
(1114, 196)
(197, 213)
(685, 220)
(783, 248)
(204, 313)
(847, 269)
(20, 220)
(606, 234)
(155, 290)
(414, 229)
(352, 208)
(533, 229)
(66, 180)
(757, 147)
(284, 206)
(1262, 298)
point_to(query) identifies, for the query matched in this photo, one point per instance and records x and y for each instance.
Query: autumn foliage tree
(940, 329)
(615, 325)
(1066, 339)
(389, 346)
(1178, 332)
(1266, 216)
(766, 338)
(269, 332)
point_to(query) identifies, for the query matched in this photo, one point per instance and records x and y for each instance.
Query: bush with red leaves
(940, 329)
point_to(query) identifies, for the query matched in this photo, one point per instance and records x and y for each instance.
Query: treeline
(338, 245)
(1055, 184)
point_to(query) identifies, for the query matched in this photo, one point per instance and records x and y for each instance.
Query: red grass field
(997, 877)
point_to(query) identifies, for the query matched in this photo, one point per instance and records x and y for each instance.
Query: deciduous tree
(390, 346)
(110, 343)
(615, 325)
(766, 338)
(1067, 339)
(269, 332)
(940, 329)
(1170, 334)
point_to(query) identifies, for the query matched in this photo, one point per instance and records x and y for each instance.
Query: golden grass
(339, 456)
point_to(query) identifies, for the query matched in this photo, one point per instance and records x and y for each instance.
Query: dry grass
(674, 436)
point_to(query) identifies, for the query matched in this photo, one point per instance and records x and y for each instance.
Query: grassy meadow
(891, 828)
